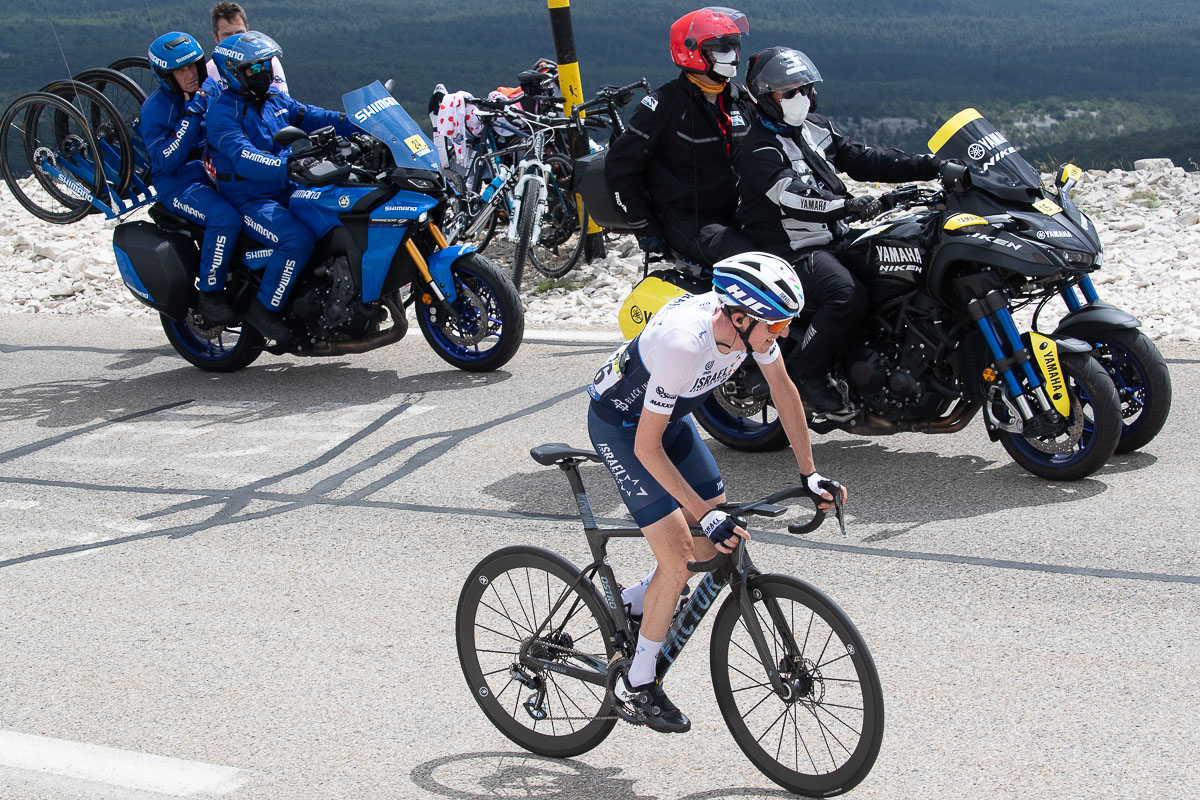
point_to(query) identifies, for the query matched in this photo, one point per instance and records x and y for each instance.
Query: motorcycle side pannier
(159, 267)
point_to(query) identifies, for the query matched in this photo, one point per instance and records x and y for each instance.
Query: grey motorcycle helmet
(779, 69)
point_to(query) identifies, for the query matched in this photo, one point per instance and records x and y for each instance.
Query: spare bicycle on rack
(542, 644)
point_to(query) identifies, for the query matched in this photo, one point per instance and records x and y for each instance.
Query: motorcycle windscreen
(995, 164)
(381, 115)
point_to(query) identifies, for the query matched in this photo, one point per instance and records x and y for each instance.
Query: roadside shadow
(251, 395)
(546, 491)
(522, 775)
(905, 489)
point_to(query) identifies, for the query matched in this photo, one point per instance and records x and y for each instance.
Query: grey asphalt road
(243, 586)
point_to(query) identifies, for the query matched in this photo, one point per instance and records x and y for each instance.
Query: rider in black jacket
(670, 172)
(792, 202)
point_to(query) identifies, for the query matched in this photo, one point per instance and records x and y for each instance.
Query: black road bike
(541, 644)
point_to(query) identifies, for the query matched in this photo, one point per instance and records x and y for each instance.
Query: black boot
(268, 323)
(818, 395)
(215, 308)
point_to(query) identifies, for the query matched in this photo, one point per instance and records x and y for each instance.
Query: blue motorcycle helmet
(250, 49)
(171, 51)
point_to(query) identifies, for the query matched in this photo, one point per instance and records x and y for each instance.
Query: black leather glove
(956, 176)
(297, 166)
(863, 208)
(651, 242)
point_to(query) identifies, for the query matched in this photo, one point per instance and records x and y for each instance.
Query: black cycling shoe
(658, 711)
(818, 395)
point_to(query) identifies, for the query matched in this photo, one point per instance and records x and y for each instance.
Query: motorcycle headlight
(1075, 258)
(421, 184)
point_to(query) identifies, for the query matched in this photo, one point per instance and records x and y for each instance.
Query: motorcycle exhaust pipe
(374, 341)
(958, 418)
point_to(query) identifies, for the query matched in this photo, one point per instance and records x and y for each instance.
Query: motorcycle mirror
(289, 135)
(388, 85)
(1068, 175)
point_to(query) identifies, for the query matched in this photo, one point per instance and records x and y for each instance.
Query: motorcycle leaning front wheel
(1089, 435)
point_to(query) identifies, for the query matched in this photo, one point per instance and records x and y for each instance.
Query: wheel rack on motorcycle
(940, 342)
(373, 200)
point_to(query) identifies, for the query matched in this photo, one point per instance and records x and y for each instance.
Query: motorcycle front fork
(1024, 391)
(1089, 294)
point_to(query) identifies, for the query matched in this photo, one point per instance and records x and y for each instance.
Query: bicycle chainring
(618, 667)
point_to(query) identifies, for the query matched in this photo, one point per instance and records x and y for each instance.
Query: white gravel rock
(1148, 219)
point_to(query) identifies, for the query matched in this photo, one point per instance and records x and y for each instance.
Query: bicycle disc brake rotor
(803, 678)
(472, 326)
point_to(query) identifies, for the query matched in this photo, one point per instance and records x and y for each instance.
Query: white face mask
(795, 110)
(724, 63)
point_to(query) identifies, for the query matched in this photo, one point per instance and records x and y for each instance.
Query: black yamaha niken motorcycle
(940, 342)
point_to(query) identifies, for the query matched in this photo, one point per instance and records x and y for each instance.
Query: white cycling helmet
(759, 284)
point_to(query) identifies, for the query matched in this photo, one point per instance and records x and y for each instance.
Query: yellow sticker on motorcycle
(963, 221)
(417, 144)
(1048, 207)
(1045, 355)
(1069, 172)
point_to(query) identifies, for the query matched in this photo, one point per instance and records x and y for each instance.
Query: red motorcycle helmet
(710, 26)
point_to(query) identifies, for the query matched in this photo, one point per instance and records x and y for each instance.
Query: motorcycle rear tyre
(208, 355)
(1103, 408)
(740, 433)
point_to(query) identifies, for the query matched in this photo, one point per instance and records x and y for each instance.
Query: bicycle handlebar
(768, 507)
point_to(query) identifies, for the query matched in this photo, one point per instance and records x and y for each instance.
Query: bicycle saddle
(555, 452)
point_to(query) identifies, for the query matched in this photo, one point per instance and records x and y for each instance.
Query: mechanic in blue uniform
(252, 170)
(639, 424)
(172, 128)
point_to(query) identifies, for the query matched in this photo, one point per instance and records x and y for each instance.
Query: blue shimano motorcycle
(374, 201)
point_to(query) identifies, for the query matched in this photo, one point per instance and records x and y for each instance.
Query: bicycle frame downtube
(686, 622)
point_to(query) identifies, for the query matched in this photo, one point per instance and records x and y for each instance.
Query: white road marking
(583, 337)
(125, 768)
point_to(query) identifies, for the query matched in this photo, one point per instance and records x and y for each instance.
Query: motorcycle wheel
(492, 321)
(1094, 424)
(1143, 384)
(738, 420)
(218, 348)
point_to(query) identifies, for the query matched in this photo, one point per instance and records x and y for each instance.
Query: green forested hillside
(892, 69)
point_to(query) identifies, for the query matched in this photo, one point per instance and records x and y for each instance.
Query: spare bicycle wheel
(46, 153)
(137, 69)
(111, 132)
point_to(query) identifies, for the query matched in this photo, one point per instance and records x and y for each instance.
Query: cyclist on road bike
(670, 171)
(638, 422)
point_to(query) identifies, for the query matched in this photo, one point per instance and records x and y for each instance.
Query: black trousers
(841, 302)
(705, 241)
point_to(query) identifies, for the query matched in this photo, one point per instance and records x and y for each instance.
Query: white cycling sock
(645, 660)
(636, 594)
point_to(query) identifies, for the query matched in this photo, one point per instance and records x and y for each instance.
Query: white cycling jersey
(671, 365)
